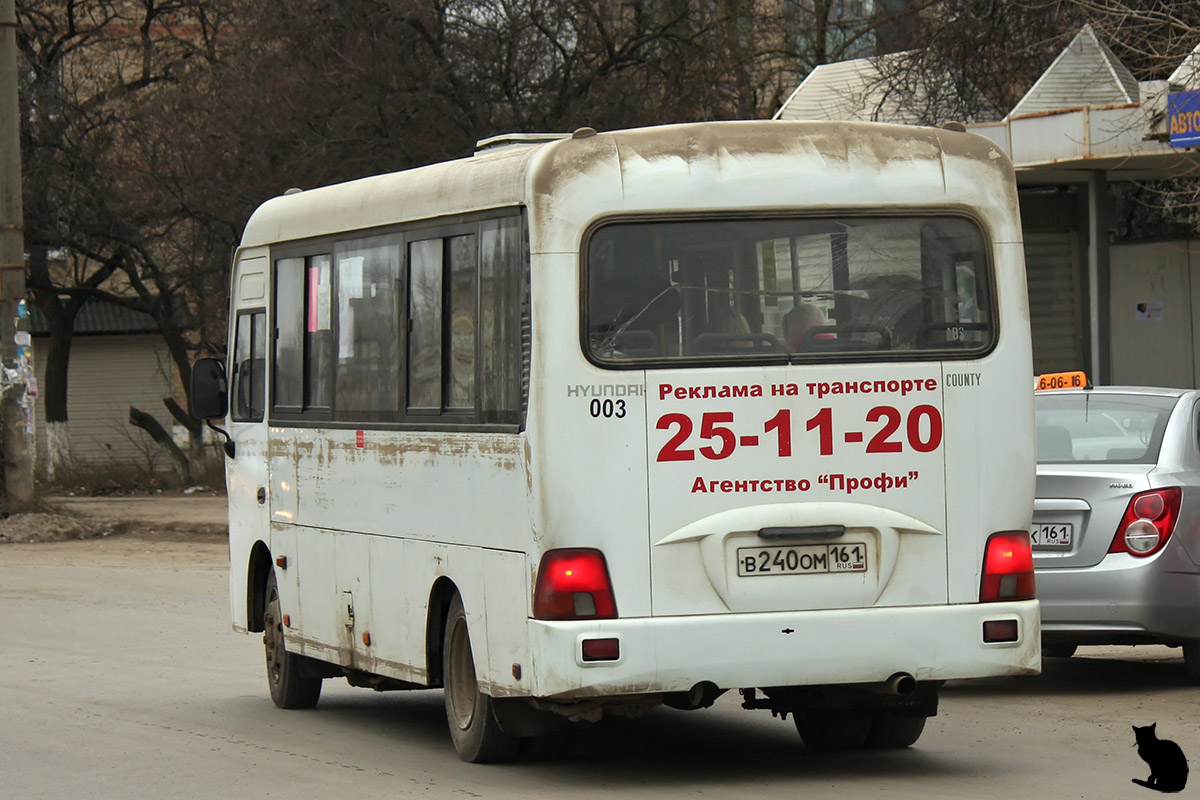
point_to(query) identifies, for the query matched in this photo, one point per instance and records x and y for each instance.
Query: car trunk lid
(1078, 510)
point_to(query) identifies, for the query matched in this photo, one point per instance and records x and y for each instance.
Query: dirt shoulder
(146, 517)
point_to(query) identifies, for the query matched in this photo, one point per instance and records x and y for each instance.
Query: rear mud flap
(518, 717)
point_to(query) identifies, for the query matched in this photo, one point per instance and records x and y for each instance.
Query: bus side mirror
(209, 390)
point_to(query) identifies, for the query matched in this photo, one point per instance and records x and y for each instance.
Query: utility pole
(16, 354)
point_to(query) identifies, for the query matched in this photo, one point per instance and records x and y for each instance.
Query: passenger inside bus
(797, 323)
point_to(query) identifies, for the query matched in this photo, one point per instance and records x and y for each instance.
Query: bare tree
(972, 60)
(1151, 37)
(985, 54)
(153, 128)
(87, 64)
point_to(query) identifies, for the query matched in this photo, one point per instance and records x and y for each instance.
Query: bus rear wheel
(832, 730)
(290, 688)
(473, 727)
(893, 731)
(1191, 660)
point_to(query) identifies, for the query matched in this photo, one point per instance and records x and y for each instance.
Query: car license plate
(802, 559)
(1053, 536)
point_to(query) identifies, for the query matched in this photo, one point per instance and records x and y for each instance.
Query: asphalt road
(120, 677)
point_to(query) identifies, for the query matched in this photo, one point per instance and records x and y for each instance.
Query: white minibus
(586, 423)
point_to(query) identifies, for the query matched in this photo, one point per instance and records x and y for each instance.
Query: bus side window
(443, 299)
(422, 326)
(250, 351)
(501, 294)
(302, 378)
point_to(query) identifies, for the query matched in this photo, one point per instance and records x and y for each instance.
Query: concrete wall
(1154, 311)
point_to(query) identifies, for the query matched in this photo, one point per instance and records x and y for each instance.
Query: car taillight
(1149, 519)
(1008, 568)
(573, 584)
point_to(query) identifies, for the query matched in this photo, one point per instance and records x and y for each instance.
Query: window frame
(443, 228)
(444, 234)
(304, 250)
(235, 367)
(801, 359)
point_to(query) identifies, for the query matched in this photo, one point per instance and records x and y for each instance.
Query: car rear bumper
(806, 648)
(1121, 600)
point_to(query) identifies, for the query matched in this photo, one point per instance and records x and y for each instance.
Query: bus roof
(739, 164)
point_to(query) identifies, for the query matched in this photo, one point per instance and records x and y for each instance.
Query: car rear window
(1087, 427)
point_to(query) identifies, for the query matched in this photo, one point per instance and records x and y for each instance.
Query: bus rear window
(745, 290)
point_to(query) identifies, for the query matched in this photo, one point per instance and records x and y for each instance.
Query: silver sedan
(1116, 522)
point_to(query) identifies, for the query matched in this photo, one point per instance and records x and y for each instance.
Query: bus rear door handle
(262, 495)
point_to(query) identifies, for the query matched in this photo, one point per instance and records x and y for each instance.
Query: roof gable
(1187, 74)
(848, 91)
(1085, 73)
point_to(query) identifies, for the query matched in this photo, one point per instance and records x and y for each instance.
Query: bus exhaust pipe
(901, 683)
(702, 695)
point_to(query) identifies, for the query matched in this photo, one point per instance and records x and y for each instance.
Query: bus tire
(1191, 660)
(477, 735)
(290, 688)
(832, 730)
(893, 731)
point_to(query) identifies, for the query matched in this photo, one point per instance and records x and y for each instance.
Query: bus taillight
(574, 584)
(1008, 568)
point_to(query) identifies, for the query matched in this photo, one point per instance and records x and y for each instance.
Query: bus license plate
(802, 559)
(1050, 536)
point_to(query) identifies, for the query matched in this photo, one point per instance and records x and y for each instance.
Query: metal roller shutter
(1055, 301)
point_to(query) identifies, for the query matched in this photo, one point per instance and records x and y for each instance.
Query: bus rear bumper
(808, 648)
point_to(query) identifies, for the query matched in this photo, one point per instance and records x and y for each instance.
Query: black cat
(1168, 767)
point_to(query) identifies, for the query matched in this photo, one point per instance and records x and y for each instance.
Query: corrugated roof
(1187, 74)
(1086, 73)
(848, 90)
(95, 317)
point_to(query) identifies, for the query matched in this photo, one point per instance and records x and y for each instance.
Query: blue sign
(1183, 116)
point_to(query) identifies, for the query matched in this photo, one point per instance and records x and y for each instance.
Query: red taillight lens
(574, 584)
(601, 649)
(1000, 630)
(1008, 568)
(1148, 522)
